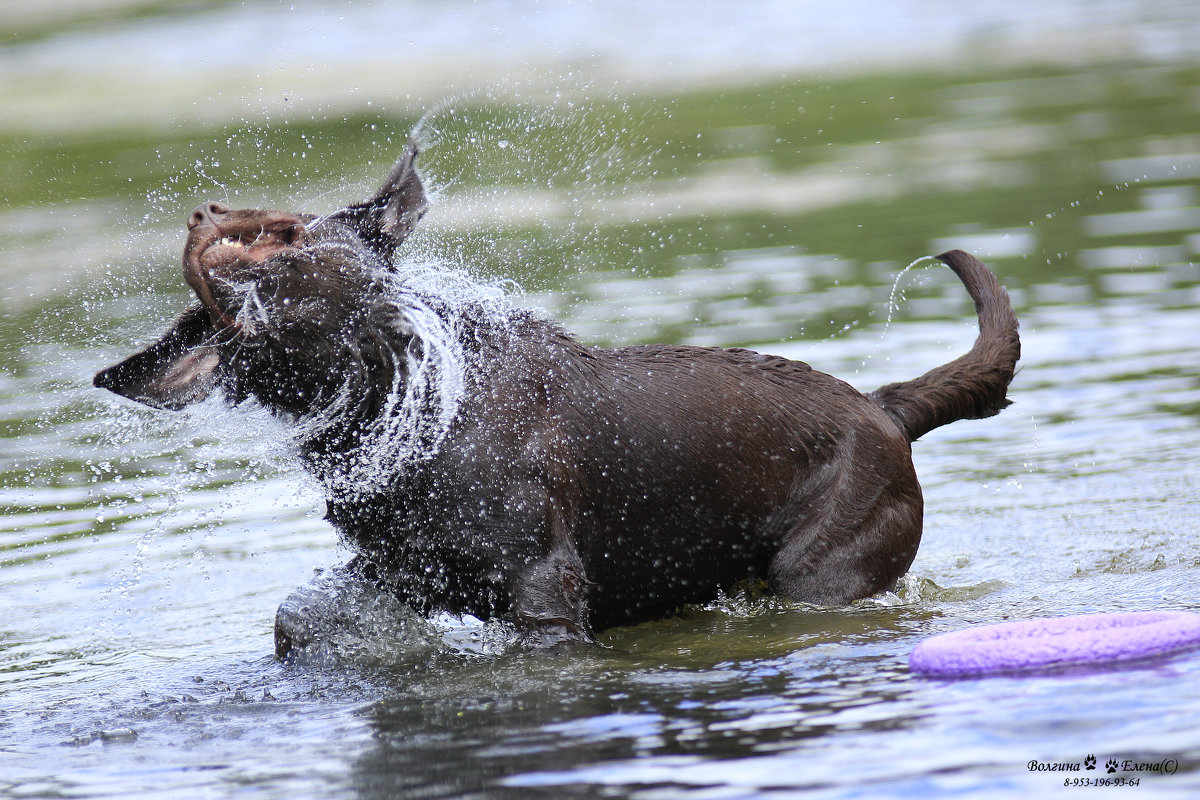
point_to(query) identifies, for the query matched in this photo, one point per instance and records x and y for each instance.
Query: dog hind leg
(852, 549)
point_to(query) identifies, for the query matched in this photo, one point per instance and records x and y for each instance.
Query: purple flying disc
(1056, 642)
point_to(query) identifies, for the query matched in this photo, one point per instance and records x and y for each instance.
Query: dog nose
(206, 214)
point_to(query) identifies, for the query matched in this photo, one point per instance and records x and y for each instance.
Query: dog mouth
(222, 245)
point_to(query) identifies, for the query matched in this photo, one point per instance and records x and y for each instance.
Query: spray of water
(435, 295)
(555, 168)
(427, 307)
(896, 297)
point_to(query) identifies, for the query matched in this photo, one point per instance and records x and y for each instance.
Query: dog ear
(384, 221)
(177, 370)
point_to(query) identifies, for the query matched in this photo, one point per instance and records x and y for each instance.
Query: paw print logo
(1111, 766)
(1089, 762)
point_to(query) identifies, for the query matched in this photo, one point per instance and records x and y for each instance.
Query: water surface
(143, 554)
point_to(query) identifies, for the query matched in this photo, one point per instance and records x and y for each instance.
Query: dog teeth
(232, 242)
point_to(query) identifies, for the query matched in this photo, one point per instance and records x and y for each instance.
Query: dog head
(284, 304)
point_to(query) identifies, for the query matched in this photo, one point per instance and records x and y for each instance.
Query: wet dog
(481, 460)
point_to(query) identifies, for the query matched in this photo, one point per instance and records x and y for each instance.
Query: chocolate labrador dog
(483, 461)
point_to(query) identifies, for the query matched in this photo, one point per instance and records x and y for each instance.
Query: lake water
(143, 554)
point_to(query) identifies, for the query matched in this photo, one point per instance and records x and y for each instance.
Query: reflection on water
(143, 554)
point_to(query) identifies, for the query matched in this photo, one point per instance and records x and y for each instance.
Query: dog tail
(971, 386)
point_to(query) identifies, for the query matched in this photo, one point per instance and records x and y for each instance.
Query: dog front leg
(550, 596)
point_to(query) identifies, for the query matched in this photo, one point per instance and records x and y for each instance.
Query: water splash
(576, 141)
(432, 297)
(340, 617)
(491, 162)
(896, 297)
(431, 310)
(199, 166)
